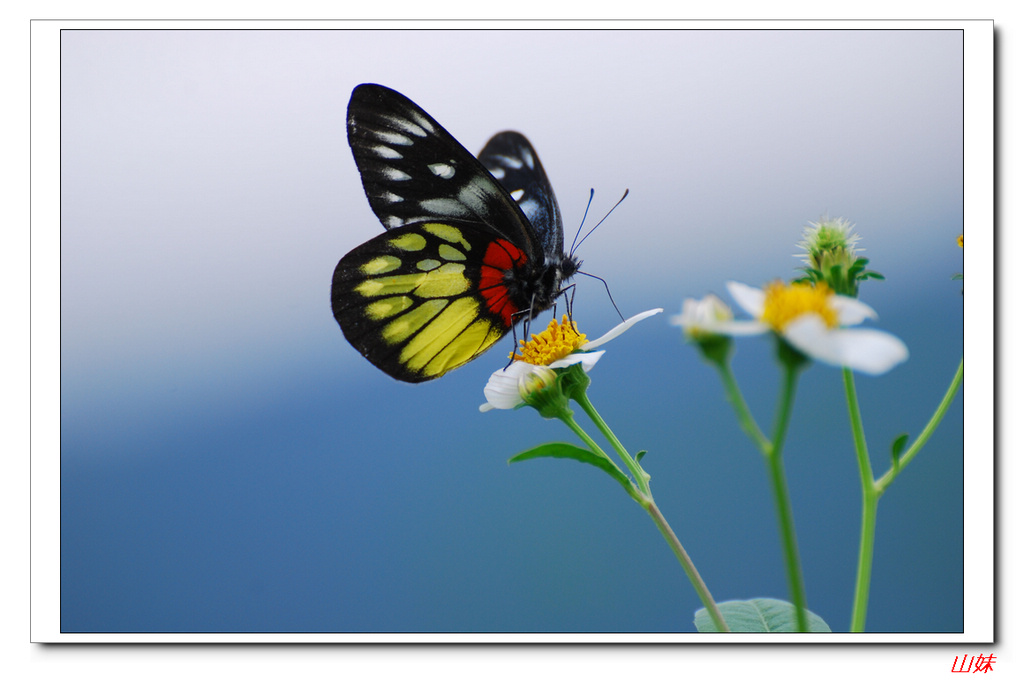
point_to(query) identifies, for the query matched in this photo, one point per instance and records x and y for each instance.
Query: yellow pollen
(554, 343)
(960, 241)
(783, 303)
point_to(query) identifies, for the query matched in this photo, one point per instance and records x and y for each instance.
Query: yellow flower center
(960, 241)
(785, 302)
(554, 343)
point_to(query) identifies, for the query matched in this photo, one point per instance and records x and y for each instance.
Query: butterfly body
(471, 246)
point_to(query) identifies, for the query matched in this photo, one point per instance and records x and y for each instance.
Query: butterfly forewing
(414, 171)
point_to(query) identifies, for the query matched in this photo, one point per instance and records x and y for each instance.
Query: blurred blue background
(230, 463)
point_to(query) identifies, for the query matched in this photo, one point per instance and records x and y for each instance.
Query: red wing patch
(499, 260)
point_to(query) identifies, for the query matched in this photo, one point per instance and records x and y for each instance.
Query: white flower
(710, 316)
(813, 320)
(506, 388)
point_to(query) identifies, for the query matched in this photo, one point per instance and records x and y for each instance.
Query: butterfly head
(537, 291)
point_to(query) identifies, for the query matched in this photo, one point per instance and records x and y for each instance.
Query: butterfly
(472, 246)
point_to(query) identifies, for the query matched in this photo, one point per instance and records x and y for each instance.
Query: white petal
(851, 311)
(747, 297)
(502, 389)
(696, 314)
(619, 329)
(737, 328)
(588, 360)
(866, 350)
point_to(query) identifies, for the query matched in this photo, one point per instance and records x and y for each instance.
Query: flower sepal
(715, 349)
(790, 357)
(574, 381)
(844, 280)
(542, 389)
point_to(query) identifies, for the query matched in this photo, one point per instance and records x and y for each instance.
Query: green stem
(869, 507)
(940, 412)
(642, 495)
(688, 566)
(596, 449)
(735, 396)
(784, 509)
(641, 477)
(871, 490)
(869, 514)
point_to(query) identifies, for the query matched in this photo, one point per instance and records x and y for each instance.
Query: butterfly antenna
(606, 288)
(576, 244)
(580, 228)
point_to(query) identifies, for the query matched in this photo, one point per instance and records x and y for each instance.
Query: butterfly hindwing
(420, 300)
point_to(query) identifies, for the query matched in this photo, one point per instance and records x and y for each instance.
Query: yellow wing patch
(447, 280)
(449, 340)
(388, 307)
(449, 233)
(477, 338)
(380, 265)
(428, 264)
(408, 324)
(450, 253)
(409, 242)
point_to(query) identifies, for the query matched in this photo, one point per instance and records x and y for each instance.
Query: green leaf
(570, 451)
(759, 615)
(873, 275)
(897, 447)
(640, 455)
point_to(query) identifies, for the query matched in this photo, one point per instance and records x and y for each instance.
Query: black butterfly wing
(414, 171)
(512, 161)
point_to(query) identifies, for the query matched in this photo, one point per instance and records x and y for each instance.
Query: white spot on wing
(517, 194)
(529, 207)
(528, 158)
(421, 121)
(497, 172)
(509, 161)
(395, 174)
(392, 138)
(392, 221)
(472, 195)
(442, 170)
(391, 197)
(385, 152)
(407, 126)
(444, 206)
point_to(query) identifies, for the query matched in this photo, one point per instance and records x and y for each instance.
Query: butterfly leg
(515, 346)
(570, 297)
(516, 316)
